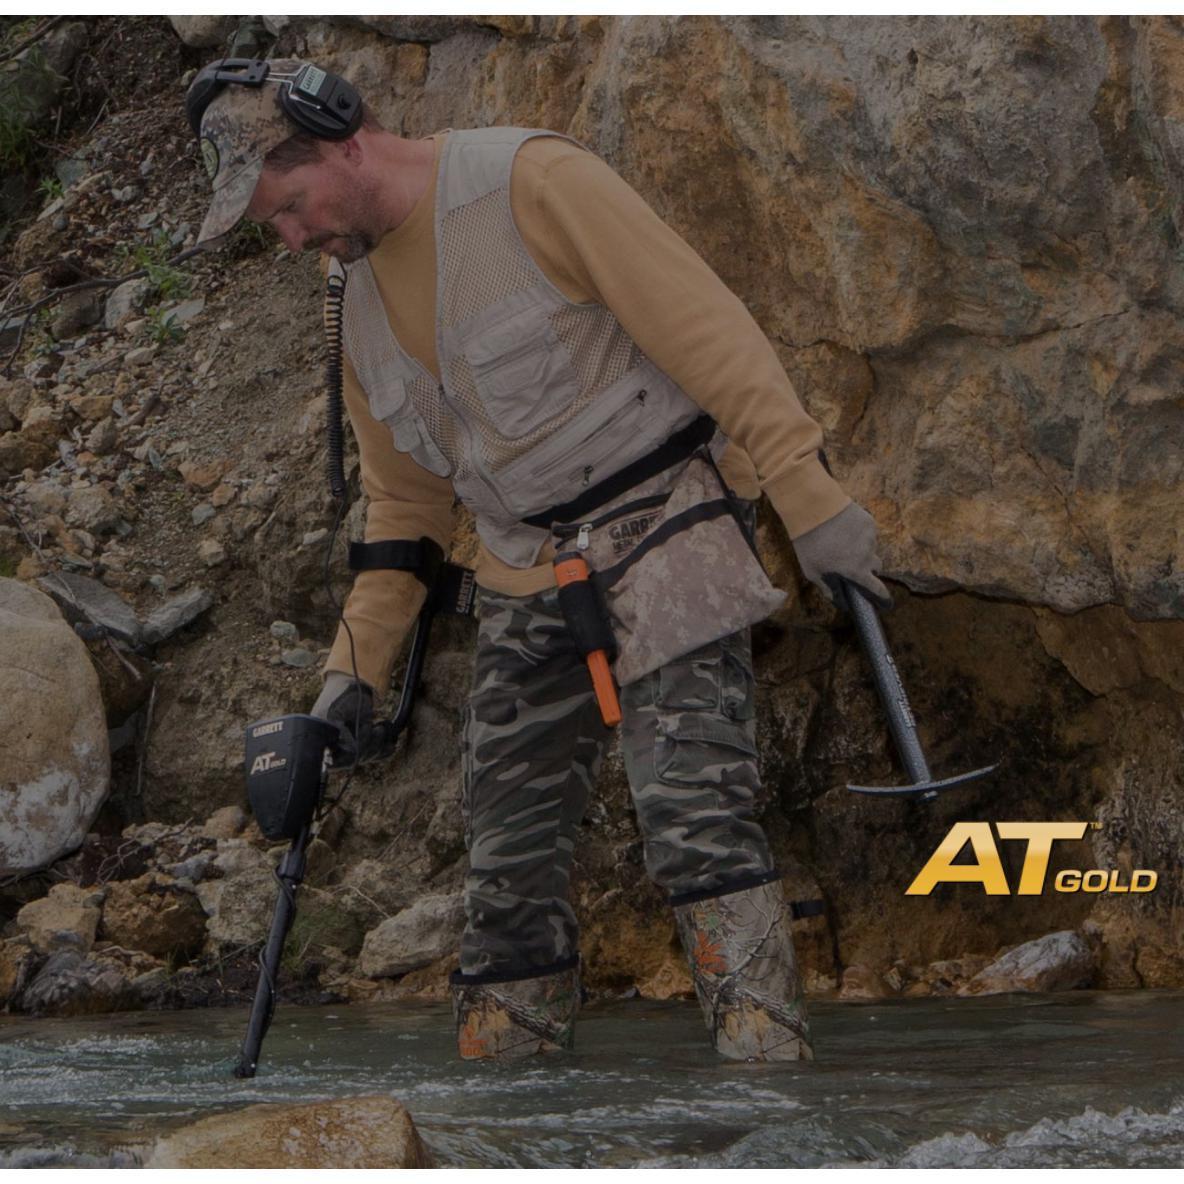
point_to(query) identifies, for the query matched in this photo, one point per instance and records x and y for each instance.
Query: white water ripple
(1083, 1079)
(1131, 1138)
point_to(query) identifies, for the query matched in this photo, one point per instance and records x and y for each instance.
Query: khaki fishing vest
(540, 398)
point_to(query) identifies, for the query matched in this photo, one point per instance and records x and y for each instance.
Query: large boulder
(18, 964)
(426, 931)
(155, 915)
(366, 1132)
(1061, 961)
(72, 984)
(204, 32)
(53, 734)
(66, 919)
(239, 905)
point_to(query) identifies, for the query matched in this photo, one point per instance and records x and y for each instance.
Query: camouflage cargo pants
(533, 741)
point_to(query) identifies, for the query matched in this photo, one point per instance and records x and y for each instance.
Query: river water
(1081, 1079)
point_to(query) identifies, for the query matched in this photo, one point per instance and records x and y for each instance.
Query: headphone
(320, 103)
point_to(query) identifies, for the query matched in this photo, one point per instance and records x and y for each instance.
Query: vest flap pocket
(388, 398)
(522, 372)
(391, 403)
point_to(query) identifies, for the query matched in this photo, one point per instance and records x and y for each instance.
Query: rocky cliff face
(963, 237)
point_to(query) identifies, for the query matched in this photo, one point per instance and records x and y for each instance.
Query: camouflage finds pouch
(676, 569)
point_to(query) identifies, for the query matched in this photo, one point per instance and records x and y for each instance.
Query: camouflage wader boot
(740, 952)
(503, 1018)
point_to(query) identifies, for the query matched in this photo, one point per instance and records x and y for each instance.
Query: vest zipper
(475, 462)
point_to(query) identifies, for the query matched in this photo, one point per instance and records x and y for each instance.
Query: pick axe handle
(891, 690)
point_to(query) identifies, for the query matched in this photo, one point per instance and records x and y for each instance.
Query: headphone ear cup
(333, 113)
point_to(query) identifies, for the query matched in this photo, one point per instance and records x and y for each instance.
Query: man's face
(322, 206)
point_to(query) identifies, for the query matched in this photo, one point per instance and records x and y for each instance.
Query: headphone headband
(320, 103)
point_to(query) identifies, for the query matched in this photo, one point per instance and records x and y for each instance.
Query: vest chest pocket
(522, 371)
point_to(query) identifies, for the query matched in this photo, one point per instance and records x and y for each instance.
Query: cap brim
(229, 204)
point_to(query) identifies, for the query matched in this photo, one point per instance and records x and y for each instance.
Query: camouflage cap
(239, 128)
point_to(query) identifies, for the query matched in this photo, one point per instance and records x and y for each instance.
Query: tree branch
(30, 309)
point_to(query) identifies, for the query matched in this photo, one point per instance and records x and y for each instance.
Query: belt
(677, 447)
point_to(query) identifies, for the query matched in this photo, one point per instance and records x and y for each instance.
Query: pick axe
(901, 722)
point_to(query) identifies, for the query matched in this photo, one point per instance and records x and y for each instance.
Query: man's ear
(351, 150)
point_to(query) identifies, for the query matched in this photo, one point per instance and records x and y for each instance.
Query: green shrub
(22, 83)
(162, 328)
(50, 188)
(165, 282)
(17, 142)
(248, 238)
(320, 922)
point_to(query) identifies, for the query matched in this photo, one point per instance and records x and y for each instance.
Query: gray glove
(348, 703)
(844, 545)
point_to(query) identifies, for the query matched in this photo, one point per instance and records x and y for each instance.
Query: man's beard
(362, 233)
(355, 245)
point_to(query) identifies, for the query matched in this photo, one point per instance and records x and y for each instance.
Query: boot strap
(798, 909)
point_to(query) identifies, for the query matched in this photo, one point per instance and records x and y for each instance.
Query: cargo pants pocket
(717, 677)
(694, 750)
(692, 764)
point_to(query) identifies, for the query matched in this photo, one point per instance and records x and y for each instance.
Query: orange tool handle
(572, 571)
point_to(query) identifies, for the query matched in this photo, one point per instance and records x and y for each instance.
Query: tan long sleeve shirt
(596, 239)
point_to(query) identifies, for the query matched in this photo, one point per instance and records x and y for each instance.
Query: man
(522, 331)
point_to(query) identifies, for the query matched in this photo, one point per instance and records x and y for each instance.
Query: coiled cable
(334, 381)
(335, 465)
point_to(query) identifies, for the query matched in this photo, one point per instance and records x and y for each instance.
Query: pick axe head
(926, 790)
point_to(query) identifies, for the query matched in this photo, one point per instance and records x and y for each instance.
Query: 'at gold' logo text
(987, 869)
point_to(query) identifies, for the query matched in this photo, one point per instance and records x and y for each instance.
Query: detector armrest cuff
(422, 557)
